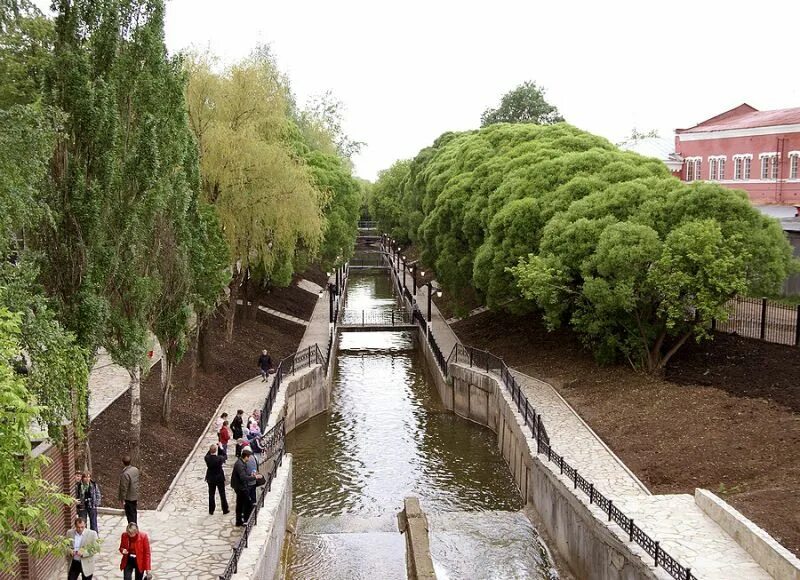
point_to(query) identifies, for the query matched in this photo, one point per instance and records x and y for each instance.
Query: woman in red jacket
(135, 549)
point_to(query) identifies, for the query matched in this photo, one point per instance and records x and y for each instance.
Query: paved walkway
(277, 313)
(309, 286)
(109, 381)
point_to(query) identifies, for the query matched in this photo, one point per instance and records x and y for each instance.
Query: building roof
(746, 117)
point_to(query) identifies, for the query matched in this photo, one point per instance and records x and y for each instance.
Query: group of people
(245, 477)
(134, 544)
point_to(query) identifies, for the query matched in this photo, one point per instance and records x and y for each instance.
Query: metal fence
(367, 225)
(441, 361)
(393, 317)
(488, 362)
(288, 366)
(762, 319)
(274, 442)
(374, 260)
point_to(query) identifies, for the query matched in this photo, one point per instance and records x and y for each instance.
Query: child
(224, 437)
(220, 420)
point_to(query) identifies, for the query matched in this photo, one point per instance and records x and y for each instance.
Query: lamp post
(404, 273)
(430, 291)
(414, 277)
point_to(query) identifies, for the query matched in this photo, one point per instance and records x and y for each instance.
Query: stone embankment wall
(307, 396)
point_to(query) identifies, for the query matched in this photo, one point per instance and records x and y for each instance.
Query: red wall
(782, 192)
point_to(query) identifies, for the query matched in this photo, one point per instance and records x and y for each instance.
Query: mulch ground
(724, 417)
(164, 449)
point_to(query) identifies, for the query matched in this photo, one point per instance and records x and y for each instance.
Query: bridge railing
(288, 366)
(374, 261)
(393, 317)
(488, 362)
(367, 225)
(273, 444)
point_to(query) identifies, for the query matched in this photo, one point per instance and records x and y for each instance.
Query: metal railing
(393, 317)
(289, 365)
(441, 361)
(367, 261)
(762, 319)
(367, 224)
(273, 440)
(488, 362)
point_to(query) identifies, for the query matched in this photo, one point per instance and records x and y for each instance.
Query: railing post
(630, 530)
(797, 327)
(763, 317)
(392, 316)
(658, 549)
(610, 506)
(362, 318)
(591, 493)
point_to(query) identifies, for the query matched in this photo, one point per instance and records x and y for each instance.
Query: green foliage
(597, 238)
(25, 498)
(524, 104)
(26, 39)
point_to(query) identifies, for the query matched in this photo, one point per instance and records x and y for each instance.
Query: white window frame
(769, 165)
(794, 164)
(694, 166)
(742, 165)
(716, 167)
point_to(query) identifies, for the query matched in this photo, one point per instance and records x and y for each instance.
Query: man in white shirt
(84, 548)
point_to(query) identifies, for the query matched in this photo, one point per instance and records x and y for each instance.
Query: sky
(409, 71)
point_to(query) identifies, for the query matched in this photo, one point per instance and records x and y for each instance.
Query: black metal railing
(288, 366)
(273, 440)
(368, 261)
(488, 362)
(393, 317)
(408, 296)
(367, 225)
(762, 319)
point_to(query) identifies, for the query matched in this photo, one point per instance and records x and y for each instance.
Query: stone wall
(585, 542)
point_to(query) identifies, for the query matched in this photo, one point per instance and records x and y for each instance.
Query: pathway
(278, 313)
(309, 286)
(683, 529)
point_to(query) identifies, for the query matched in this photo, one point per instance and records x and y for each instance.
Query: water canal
(387, 436)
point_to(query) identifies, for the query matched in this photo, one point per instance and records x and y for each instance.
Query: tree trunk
(234, 298)
(167, 370)
(202, 345)
(135, 389)
(252, 296)
(194, 350)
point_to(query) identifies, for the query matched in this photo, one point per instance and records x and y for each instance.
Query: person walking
(215, 478)
(88, 495)
(264, 364)
(236, 429)
(240, 479)
(129, 488)
(84, 548)
(220, 420)
(134, 546)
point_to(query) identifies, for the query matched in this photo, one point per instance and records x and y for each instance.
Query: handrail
(488, 362)
(294, 362)
(275, 437)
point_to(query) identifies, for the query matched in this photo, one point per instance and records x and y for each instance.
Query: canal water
(386, 437)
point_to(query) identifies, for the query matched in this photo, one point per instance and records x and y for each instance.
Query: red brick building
(757, 151)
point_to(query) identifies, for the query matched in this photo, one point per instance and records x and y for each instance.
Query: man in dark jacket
(240, 480)
(215, 478)
(236, 430)
(129, 488)
(264, 364)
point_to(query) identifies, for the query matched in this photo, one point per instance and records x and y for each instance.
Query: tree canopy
(524, 104)
(606, 241)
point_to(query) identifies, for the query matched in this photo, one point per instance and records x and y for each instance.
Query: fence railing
(288, 366)
(375, 261)
(488, 362)
(762, 319)
(367, 225)
(393, 317)
(274, 441)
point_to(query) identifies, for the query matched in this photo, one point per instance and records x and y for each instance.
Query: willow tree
(264, 195)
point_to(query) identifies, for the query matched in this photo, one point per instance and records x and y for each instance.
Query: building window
(741, 167)
(769, 165)
(693, 168)
(794, 158)
(716, 168)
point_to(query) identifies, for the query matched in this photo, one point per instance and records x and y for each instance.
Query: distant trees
(602, 240)
(524, 104)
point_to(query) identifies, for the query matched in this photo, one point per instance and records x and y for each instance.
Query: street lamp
(414, 277)
(404, 273)
(438, 295)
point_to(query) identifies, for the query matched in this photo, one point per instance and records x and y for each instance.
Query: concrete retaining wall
(307, 395)
(414, 524)
(584, 541)
(769, 554)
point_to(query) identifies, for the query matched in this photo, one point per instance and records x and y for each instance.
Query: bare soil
(164, 449)
(724, 417)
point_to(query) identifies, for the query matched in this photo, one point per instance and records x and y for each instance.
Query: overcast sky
(408, 71)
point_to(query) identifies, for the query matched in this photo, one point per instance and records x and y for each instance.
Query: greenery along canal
(387, 436)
